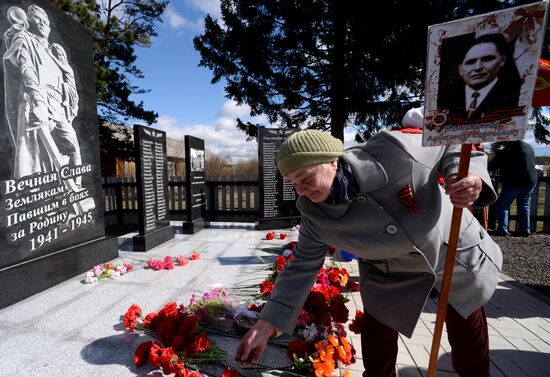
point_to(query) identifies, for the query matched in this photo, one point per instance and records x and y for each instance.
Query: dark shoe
(520, 234)
(499, 233)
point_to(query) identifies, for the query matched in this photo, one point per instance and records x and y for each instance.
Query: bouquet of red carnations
(180, 344)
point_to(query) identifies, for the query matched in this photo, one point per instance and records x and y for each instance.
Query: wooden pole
(463, 167)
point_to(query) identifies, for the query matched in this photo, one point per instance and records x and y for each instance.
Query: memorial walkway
(75, 329)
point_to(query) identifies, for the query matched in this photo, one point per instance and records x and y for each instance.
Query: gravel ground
(527, 260)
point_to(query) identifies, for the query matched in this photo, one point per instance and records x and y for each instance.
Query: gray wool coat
(401, 253)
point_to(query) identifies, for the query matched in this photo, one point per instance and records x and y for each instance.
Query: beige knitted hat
(309, 147)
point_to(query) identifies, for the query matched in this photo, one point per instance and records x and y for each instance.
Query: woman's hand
(254, 342)
(465, 192)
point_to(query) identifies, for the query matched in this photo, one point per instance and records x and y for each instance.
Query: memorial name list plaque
(277, 197)
(152, 188)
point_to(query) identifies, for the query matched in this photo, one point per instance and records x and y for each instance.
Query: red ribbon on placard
(541, 95)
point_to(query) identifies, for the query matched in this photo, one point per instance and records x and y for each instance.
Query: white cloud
(177, 21)
(221, 137)
(211, 7)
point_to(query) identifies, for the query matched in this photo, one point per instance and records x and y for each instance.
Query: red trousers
(469, 340)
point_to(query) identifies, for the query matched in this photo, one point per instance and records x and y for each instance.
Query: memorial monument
(51, 201)
(195, 185)
(152, 188)
(277, 197)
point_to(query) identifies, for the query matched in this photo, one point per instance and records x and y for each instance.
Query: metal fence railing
(237, 199)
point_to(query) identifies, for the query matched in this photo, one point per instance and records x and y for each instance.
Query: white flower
(90, 278)
(309, 332)
(120, 268)
(114, 274)
(296, 227)
(243, 310)
(287, 252)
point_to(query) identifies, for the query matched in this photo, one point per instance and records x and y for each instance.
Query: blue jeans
(523, 201)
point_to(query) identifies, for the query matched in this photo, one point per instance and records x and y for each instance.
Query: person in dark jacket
(515, 162)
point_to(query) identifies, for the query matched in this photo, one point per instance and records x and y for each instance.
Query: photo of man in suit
(483, 80)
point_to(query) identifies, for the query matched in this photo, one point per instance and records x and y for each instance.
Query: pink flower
(155, 264)
(196, 255)
(168, 263)
(322, 278)
(304, 318)
(182, 261)
(98, 270)
(192, 300)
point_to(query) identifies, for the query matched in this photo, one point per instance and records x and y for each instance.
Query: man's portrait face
(481, 65)
(39, 24)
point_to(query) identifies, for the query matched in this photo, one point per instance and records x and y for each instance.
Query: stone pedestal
(278, 223)
(28, 278)
(153, 239)
(192, 227)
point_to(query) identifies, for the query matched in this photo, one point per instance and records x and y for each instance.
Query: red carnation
(196, 255)
(353, 286)
(280, 263)
(169, 310)
(155, 354)
(270, 236)
(228, 372)
(166, 330)
(168, 360)
(297, 347)
(184, 372)
(149, 321)
(155, 264)
(168, 263)
(292, 245)
(358, 323)
(255, 308)
(283, 236)
(182, 261)
(338, 310)
(200, 344)
(131, 317)
(266, 287)
(331, 250)
(140, 356)
(188, 327)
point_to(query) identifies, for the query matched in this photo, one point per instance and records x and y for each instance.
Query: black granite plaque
(195, 184)
(152, 187)
(277, 197)
(51, 199)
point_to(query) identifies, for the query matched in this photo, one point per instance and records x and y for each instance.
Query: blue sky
(181, 92)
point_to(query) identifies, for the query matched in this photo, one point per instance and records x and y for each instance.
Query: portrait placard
(481, 74)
